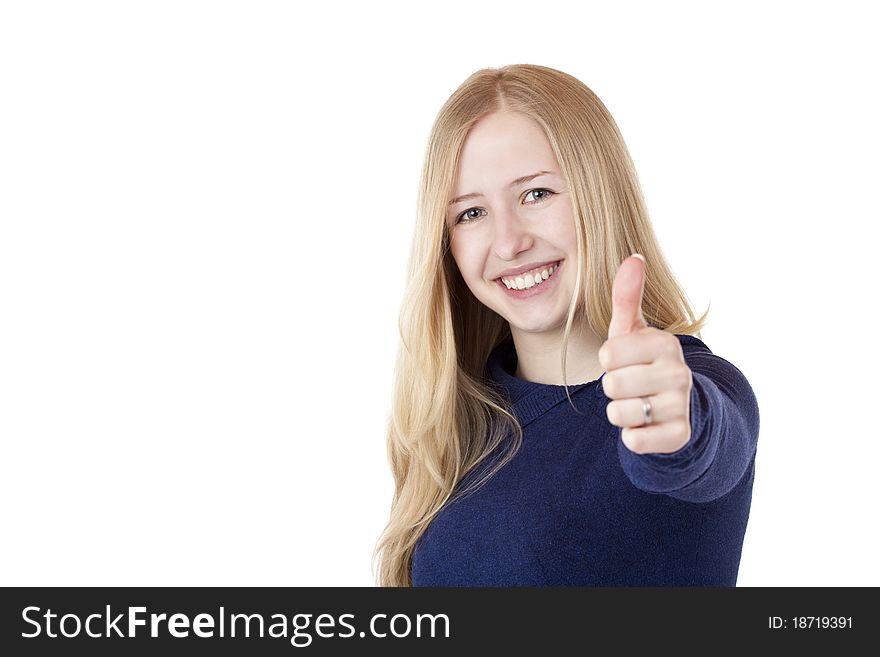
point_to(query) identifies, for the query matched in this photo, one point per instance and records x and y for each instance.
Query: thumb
(626, 297)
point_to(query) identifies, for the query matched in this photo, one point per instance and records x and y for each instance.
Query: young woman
(555, 421)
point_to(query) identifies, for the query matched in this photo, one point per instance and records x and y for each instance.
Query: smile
(530, 283)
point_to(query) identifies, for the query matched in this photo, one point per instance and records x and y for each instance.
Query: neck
(539, 355)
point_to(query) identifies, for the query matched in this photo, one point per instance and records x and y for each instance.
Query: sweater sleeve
(724, 436)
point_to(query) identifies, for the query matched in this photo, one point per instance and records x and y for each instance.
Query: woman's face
(512, 228)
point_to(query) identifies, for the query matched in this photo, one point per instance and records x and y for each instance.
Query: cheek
(563, 226)
(468, 260)
(566, 240)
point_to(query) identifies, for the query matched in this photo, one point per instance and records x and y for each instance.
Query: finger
(657, 438)
(645, 346)
(643, 380)
(626, 297)
(630, 413)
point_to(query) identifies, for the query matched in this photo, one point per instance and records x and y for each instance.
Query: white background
(205, 215)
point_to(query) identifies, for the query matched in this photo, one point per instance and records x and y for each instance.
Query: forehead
(499, 148)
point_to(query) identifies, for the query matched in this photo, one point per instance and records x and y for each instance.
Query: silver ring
(646, 407)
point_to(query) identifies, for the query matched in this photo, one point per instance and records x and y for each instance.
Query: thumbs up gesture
(646, 375)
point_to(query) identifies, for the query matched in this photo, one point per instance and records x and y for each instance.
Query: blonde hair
(445, 417)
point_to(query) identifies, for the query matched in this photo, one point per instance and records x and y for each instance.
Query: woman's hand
(642, 361)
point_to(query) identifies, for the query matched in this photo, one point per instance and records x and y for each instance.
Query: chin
(541, 324)
(542, 328)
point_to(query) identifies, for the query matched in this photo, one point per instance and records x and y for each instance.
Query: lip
(507, 273)
(541, 288)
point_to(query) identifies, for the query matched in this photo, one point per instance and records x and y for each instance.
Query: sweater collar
(531, 400)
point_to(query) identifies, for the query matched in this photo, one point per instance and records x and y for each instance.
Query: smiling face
(514, 226)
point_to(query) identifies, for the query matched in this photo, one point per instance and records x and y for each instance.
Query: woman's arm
(724, 435)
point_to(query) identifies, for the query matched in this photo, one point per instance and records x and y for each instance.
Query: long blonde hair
(445, 418)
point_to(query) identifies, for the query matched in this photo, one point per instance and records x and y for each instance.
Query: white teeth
(529, 280)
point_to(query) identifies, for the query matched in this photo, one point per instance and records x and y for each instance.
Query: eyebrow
(518, 181)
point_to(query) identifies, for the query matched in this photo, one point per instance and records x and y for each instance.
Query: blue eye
(461, 218)
(467, 212)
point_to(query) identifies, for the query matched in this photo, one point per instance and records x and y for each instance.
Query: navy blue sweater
(575, 507)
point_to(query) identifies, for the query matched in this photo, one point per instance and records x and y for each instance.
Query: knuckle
(685, 403)
(612, 412)
(683, 431)
(607, 386)
(636, 442)
(683, 377)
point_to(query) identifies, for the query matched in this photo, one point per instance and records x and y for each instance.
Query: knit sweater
(576, 507)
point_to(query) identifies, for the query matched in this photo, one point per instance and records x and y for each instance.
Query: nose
(512, 235)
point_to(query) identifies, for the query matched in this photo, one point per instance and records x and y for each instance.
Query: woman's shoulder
(692, 340)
